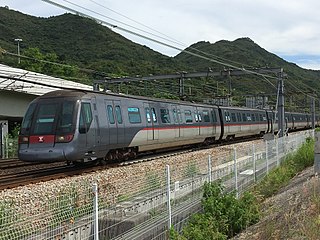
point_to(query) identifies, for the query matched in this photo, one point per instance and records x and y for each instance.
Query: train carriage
(78, 126)
(240, 122)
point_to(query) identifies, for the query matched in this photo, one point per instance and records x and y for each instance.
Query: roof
(34, 83)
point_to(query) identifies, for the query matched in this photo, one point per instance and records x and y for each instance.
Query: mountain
(85, 43)
(245, 53)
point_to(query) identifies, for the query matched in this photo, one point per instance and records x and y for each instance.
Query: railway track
(33, 176)
(10, 163)
(15, 173)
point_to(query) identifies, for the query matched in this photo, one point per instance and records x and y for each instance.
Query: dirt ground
(293, 213)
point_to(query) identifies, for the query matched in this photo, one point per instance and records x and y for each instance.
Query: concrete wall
(14, 104)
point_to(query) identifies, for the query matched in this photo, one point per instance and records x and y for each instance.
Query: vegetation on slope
(83, 43)
(224, 216)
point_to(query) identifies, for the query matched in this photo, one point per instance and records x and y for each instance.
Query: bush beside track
(224, 216)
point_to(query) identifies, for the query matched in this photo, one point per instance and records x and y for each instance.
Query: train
(75, 126)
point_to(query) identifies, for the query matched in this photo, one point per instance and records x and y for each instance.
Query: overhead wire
(155, 40)
(265, 76)
(173, 40)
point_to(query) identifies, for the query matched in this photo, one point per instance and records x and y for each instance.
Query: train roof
(81, 93)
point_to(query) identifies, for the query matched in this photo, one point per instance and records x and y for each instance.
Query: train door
(97, 134)
(175, 121)
(87, 128)
(116, 128)
(151, 122)
(119, 122)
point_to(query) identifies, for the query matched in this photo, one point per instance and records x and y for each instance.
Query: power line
(153, 40)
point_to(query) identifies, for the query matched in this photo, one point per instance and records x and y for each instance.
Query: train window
(164, 114)
(196, 116)
(175, 115)
(206, 117)
(253, 117)
(248, 117)
(188, 116)
(199, 117)
(110, 114)
(233, 117)
(44, 119)
(244, 117)
(134, 115)
(118, 114)
(148, 116)
(213, 114)
(239, 117)
(26, 124)
(179, 116)
(65, 124)
(85, 117)
(227, 116)
(154, 116)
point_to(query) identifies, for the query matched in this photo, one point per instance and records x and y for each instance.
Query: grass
(292, 165)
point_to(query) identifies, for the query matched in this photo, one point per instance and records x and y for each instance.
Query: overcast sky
(287, 28)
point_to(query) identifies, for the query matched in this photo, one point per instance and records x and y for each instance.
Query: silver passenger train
(78, 126)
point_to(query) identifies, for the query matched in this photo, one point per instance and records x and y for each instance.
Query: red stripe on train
(208, 126)
(42, 139)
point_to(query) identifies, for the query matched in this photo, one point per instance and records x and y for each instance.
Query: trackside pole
(168, 196)
(254, 162)
(95, 212)
(235, 172)
(209, 169)
(317, 152)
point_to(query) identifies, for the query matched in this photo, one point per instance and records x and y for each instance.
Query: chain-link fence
(136, 206)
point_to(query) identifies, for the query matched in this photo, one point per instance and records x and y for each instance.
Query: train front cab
(57, 129)
(46, 125)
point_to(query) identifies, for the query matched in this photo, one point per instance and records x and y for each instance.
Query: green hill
(84, 43)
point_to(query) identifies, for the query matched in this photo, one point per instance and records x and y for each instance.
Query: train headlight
(23, 139)
(64, 138)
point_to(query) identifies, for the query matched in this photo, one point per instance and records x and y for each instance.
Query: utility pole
(313, 114)
(181, 84)
(281, 119)
(18, 40)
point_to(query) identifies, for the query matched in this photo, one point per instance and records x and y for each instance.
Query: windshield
(26, 123)
(44, 118)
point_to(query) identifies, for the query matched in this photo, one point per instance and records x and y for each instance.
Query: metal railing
(122, 205)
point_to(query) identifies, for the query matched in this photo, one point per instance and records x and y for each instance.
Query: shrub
(224, 215)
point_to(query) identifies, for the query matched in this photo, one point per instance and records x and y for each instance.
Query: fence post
(95, 212)
(254, 162)
(168, 196)
(277, 152)
(1, 141)
(317, 153)
(267, 162)
(235, 171)
(209, 169)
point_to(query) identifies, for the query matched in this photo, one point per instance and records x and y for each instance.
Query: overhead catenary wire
(265, 76)
(173, 40)
(155, 40)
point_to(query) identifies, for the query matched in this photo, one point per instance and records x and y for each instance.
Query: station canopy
(24, 81)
